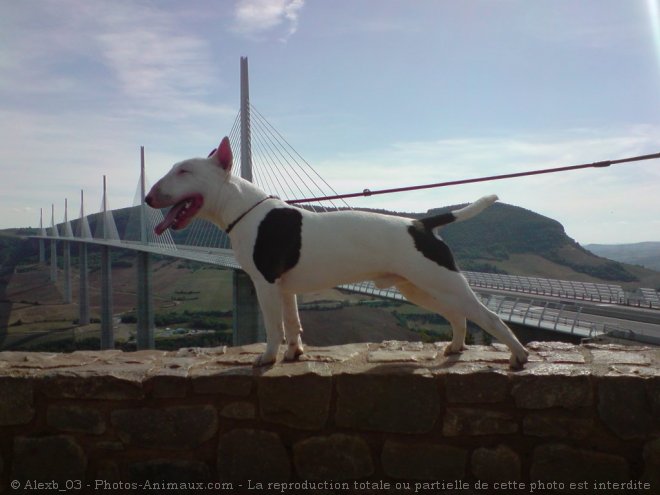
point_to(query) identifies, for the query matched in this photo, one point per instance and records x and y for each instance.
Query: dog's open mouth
(180, 214)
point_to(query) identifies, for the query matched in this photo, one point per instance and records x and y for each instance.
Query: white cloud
(88, 82)
(254, 18)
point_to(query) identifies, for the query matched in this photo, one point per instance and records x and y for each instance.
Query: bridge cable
(282, 138)
(286, 165)
(275, 149)
(269, 166)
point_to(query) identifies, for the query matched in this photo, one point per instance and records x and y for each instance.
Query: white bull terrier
(288, 250)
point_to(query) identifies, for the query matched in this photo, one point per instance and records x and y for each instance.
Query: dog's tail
(469, 211)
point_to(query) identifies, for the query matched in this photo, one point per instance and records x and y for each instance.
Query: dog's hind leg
(494, 325)
(457, 321)
(462, 299)
(292, 327)
(271, 302)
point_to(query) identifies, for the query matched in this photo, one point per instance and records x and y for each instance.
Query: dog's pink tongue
(170, 219)
(160, 228)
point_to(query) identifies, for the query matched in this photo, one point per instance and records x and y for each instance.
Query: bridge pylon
(83, 303)
(53, 246)
(42, 232)
(145, 307)
(66, 255)
(248, 326)
(107, 327)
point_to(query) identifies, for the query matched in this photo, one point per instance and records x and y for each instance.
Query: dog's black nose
(149, 199)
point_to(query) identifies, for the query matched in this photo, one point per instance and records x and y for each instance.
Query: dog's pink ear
(223, 154)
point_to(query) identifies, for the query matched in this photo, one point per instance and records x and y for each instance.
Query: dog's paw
(518, 362)
(264, 360)
(449, 350)
(293, 352)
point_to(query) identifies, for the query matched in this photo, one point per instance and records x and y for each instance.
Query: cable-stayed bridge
(267, 159)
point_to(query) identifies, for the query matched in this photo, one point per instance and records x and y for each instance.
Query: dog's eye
(182, 171)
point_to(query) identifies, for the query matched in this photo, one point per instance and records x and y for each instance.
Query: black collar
(240, 217)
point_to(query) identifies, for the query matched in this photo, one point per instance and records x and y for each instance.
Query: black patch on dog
(279, 239)
(429, 245)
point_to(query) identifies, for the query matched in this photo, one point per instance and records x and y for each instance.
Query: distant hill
(646, 254)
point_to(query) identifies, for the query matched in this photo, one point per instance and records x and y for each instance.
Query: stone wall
(368, 418)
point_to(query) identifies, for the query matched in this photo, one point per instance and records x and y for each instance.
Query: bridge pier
(83, 315)
(107, 324)
(42, 243)
(66, 255)
(248, 326)
(145, 309)
(247, 318)
(53, 260)
(145, 305)
(53, 247)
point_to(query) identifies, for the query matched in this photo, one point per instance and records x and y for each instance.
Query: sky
(372, 93)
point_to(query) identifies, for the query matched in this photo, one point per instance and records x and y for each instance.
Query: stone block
(619, 357)
(110, 445)
(335, 457)
(423, 461)
(242, 355)
(167, 386)
(557, 352)
(653, 392)
(17, 404)
(296, 395)
(622, 406)
(478, 353)
(169, 471)
(392, 351)
(91, 386)
(53, 458)
(169, 378)
(45, 360)
(170, 428)
(247, 454)
(564, 464)
(108, 472)
(542, 391)
(77, 419)
(557, 424)
(476, 387)
(333, 353)
(651, 457)
(236, 381)
(471, 421)
(499, 464)
(199, 352)
(239, 410)
(399, 400)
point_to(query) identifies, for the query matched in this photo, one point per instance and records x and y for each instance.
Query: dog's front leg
(270, 301)
(292, 327)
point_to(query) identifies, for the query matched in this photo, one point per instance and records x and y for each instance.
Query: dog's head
(185, 187)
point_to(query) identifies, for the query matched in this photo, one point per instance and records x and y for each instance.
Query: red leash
(368, 192)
